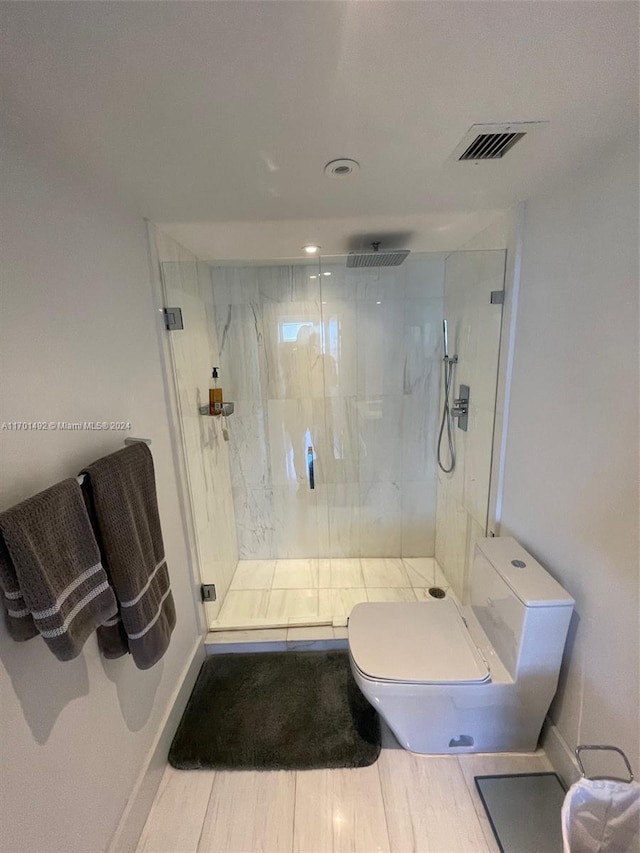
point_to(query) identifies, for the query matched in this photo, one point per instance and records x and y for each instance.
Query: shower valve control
(460, 408)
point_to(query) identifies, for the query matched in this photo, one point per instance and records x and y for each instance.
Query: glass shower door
(295, 384)
(269, 329)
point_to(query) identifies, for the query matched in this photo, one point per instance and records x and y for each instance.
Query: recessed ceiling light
(311, 249)
(378, 303)
(313, 276)
(326, 273)
(341, 168)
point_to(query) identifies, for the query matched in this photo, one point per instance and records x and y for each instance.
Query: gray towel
(51, 577)
(17, 615)
(123, 498)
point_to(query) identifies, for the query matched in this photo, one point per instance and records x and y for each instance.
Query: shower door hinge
(497, 297)
(172, 319)
(208, 591)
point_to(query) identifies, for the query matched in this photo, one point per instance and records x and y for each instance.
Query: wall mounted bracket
(224, 409)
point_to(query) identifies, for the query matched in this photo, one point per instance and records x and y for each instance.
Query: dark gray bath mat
(524, 811)
(276, 711)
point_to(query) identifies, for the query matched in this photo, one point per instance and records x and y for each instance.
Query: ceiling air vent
(492, 141)
(491, 146)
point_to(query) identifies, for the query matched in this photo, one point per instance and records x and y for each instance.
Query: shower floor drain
(437, 592)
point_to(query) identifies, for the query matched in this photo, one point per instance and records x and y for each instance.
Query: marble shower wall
(194, 352)
(346, 362)
(474, 334)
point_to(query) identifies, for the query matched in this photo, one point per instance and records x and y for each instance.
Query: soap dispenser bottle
(215, 394)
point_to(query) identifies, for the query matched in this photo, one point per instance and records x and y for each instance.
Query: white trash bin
(602, 815)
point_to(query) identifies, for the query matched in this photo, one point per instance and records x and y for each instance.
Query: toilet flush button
(519, 564)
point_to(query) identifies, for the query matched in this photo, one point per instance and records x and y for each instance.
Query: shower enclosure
(336, 376)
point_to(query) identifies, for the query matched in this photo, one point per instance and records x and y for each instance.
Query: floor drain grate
(436, 592)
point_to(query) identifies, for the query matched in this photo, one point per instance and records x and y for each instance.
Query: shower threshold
(267, 624)
(283, 639)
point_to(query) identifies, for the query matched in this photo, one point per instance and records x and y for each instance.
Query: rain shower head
(377, 258)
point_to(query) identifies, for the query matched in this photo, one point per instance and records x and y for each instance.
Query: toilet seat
(424, 642)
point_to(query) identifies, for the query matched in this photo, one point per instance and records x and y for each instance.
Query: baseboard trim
(559, 753)
(125, 838)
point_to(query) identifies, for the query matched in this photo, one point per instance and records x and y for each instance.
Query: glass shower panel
(475, 322)
(194, 351)
(338, 449)
(270, 333)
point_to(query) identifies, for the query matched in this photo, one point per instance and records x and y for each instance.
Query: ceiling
(213, 118)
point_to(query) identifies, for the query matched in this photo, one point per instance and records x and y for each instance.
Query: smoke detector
(493, 141)
(341, 168)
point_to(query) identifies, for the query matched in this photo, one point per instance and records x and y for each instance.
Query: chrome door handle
(312, 484)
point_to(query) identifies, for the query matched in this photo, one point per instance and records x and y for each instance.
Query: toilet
(478, 677)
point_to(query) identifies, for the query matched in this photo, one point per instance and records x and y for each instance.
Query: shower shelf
(224, 409)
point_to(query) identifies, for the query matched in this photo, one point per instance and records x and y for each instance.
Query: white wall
(571, 476)
(79, 342)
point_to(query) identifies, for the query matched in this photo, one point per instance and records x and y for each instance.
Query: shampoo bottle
(215, 393)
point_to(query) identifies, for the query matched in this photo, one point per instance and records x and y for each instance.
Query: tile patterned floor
(405, 803)
(267, 593)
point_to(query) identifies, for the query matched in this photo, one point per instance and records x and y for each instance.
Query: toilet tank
(524, 612)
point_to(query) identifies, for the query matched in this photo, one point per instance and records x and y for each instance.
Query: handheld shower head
(445, 336)
(447, 417)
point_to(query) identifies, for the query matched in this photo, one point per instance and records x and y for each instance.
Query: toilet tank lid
(533, 584)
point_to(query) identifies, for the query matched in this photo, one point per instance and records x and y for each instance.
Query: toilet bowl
(472, 678)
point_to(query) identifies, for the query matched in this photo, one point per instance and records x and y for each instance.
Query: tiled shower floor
(281, 593)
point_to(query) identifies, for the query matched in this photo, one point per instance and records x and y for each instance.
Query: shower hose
(447, 419)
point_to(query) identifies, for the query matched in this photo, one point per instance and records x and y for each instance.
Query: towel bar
(127, 441)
